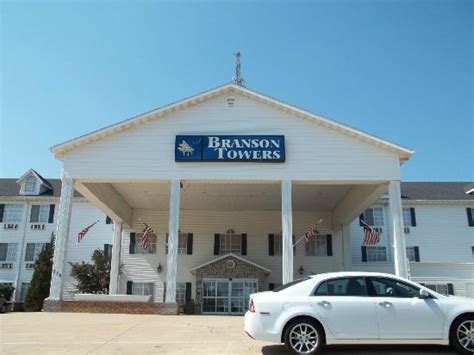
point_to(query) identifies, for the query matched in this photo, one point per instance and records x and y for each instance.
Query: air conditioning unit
(30, 266)
(37, 226)
(10, 226)
(6, 266)
(406, 230)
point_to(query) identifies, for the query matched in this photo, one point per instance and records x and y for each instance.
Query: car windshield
(289, 284)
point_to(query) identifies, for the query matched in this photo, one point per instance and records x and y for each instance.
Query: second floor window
(316, 246)
(12, 213)
(8, 251)
(33, 250)
(151, 246)
(373, 216)
(230, 243)
(39, 214)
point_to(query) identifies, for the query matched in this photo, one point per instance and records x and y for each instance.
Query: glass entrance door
(223, 296)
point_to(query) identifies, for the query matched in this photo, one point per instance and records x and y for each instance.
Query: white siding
(204, 224)
(147, 151)
(444, 240)
(84, 214)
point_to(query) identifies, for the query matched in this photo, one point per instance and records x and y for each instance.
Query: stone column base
(51, 305)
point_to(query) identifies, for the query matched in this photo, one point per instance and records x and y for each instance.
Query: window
(406, 217)
(29, 188)
(375, 254)
(374, 216)
(24, 290)
(181, 292)
(12, 213)
(230, 243)
(183, 243)
(413, 254)
(440, 288)
(39, 214)
(277, 244)
(347, 286)
(316, 246)
(142, 288)
(470, 217)
(384, 287)
(33, 250)
(8, 251)
(151, 247)
(289, 284)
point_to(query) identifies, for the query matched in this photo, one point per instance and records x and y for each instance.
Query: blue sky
(401, 70)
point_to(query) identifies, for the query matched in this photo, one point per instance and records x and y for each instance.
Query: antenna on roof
(237, 79)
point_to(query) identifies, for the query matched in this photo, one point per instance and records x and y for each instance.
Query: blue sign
(270, 149)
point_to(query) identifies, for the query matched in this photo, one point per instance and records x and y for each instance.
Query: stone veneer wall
(109, 307)
(221, 270)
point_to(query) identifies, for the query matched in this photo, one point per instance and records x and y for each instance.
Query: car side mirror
(424, 294)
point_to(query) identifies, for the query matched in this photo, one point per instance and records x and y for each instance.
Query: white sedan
(359, 308)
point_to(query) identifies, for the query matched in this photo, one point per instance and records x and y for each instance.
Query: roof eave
(60, 150)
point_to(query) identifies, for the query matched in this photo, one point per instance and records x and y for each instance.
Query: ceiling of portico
(231, 196)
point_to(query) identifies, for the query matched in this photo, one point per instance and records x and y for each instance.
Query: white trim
(60, 150)
(226, 256)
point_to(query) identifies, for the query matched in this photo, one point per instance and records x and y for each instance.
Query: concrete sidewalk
(82, 333)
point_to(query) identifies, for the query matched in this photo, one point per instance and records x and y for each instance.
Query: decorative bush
(41, 280)
(94, 277)
(7, 291)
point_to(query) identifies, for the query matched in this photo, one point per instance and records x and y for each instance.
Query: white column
(173, 241)
(62, 233)
(396, 229)
(115, 262)
(346, 247)
(287, 232)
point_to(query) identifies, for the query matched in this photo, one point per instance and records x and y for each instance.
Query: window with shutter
(39, 213)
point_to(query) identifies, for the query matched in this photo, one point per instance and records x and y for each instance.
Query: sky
(401, 70)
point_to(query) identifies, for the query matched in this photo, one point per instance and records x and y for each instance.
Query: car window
(289, 284)
(345, 286)
(385, 287)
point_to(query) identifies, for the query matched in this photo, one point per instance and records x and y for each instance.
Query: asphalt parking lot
(68, 333)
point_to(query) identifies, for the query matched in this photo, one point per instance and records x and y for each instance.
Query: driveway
(82, 333)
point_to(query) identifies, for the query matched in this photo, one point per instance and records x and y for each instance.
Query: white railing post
(287, 232)
(61, 238)
(396, 229)
(173, 235)
(115, 261)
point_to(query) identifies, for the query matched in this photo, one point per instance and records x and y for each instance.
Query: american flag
(83, 232)
(371, 236)
(310, 233)
(147, 232)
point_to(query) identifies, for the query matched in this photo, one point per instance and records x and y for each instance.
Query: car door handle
(324, 303)
(385, 304)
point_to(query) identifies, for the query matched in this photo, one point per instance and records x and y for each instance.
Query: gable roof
(225, 256)
(37, 175)
(60, 150)
(437, 191)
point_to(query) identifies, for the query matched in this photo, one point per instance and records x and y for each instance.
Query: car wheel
(303, 336)
(3, 309)
(462, 335)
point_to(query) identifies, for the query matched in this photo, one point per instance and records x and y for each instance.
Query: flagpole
(301, 238)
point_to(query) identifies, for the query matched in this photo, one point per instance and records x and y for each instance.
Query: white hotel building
(228, 180)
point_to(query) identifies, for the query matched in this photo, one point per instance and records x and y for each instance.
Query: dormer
(33, 184)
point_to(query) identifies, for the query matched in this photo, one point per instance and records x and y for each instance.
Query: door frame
(229, 296)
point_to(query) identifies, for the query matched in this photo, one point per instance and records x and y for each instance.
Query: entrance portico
(128, 172)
